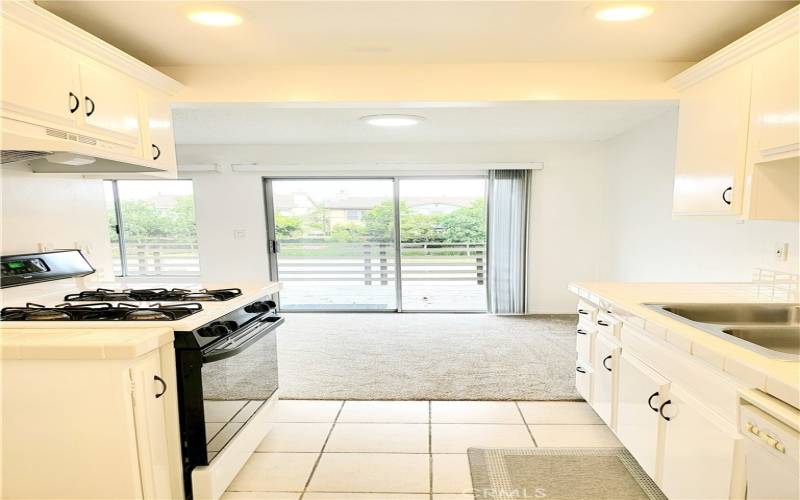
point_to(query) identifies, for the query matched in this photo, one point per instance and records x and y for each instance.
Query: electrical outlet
(781, 249)
(84, 247)
(45, 247)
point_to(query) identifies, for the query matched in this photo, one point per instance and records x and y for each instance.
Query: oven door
(239, 376)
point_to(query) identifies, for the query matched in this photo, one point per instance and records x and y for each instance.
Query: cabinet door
(604, 365)
(583, 379)
(712, 143)
(110, 102)
(151, 433)
(38, 77)
(702, 454)
(641, 392)
(160, 140)
(776, 101)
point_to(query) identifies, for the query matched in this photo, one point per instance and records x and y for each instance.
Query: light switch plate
(781, 249)
(239, 234)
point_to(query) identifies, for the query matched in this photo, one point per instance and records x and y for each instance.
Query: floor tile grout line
(319, 457)
(528, 427)
(430, 449)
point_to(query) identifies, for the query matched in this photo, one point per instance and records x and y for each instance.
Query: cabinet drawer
(608, 324)
(586, 311)
(584, 341)
(583, 379)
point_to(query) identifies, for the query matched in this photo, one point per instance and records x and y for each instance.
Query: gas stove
(100, 311)
(154, 294)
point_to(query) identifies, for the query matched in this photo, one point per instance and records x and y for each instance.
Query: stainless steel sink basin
(736, 314)
(772, 330)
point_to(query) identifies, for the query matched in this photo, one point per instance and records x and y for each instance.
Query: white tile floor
(400, 450)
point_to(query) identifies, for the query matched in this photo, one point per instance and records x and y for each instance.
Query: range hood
(53, 150)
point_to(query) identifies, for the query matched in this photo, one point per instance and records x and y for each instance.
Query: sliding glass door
(335, 243)
(443, 244)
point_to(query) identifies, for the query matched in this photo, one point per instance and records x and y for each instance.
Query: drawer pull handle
(77, 102)
(661, 410)
(163, 385)
(650, 402)
(583, 311)
(726, 200)
(580, 370)
(602, 323)
(156, 152)
(582, 332)
(89, 112)
(604, 362)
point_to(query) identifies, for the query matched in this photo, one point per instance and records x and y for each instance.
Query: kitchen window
(152, 227)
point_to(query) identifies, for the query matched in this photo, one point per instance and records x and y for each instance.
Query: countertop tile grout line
(324, 444)
(527, 427)
(430, 448)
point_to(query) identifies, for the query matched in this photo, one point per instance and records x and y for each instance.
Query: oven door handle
(260, 331)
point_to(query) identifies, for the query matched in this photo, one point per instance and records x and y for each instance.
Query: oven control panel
(25, 266)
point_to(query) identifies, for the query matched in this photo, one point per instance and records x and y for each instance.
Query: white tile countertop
(626, 301)
(105, 339)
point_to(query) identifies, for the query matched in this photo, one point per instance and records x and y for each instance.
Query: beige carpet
(427, 357)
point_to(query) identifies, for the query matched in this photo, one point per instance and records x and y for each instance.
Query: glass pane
(443, 244)
(111, 215)
(159, 228)
(337, 249)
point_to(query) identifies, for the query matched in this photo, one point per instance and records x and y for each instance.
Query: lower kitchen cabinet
(604, 363)
(639, 425)
(90, 428)
(703, 455)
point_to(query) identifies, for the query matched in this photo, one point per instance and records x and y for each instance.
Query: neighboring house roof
(355, 203)
(292, 200)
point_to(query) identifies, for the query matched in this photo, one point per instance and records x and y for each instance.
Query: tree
(288, 226)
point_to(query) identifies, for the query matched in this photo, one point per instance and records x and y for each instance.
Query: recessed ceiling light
(215, 18)
(392, 120)
(621, 13)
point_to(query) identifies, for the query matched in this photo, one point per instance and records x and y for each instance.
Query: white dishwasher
(773, 469)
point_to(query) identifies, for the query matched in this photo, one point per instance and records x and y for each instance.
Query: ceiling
(385, 32)
(251, 123)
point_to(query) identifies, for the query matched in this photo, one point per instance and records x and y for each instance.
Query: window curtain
(507, 238)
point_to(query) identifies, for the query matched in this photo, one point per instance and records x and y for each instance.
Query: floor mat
(390, 356)
(560, 474)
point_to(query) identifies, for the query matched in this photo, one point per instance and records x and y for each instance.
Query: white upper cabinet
(159, 141)
(63, 90)
(739, 111)
(110, 102)
(775, 109)
(712, 143)
(39, 78)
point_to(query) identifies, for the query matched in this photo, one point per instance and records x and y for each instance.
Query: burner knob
(260, 307)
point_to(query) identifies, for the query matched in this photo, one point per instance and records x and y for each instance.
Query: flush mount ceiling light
(215, 18)
(622, 13)
(392, 120)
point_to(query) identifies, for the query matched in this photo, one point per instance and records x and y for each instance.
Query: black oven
(226, 371)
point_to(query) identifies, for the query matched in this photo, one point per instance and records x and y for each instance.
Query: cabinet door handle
(650, 402)
(583, 311)
(602, 323)
(156, 152)
(661, 410)
(163, 385)
(582, 332)
(726, 200)
(74, 103)
(580, 370)
(604, 362)
(89, 101)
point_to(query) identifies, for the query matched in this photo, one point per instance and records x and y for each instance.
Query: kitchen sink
(772, 330)
(736, 314)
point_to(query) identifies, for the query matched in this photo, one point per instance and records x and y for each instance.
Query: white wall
(646, 244)
(60, 211)
(565, 211)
